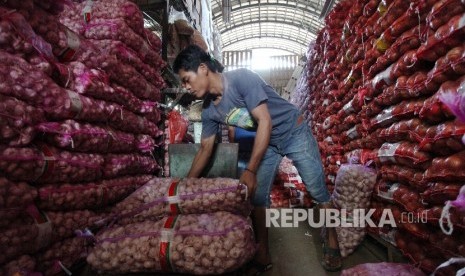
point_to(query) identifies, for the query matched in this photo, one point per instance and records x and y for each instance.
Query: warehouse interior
(98, 134)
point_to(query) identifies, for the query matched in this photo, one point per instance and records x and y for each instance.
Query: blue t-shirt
(243, 90)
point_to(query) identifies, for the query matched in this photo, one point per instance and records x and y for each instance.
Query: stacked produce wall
(386, 85)
(79, 90)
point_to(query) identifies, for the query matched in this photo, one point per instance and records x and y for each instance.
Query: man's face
(195, 82)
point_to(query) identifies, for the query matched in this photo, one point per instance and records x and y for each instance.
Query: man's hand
(249, 179)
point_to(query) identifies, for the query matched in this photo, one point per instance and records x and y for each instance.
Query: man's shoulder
(240, 72)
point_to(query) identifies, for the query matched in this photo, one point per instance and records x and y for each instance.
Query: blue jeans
(302, 148)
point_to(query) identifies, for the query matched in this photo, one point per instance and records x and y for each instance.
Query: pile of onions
(127, 76)
(49, 165)
(194, 244)
(75, 136)
(24, 264)
(28, 236)
(168, 196)
(65, 197)
(66, 252)
(382, 269)
(128, 164)
(130, 57)
(84, 13)
(17, 121)
(20, 238)
(127, 121)
(354, 186)
(14, 195)
(64, 224)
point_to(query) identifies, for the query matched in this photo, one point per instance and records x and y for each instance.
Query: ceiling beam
(328, 5)
(285, 39)
(296, 4)
(286, 45)
(217, 12)
(309, 28)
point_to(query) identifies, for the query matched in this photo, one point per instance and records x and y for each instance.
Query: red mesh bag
(15, 194)
(433, 216)
(61, 256)
(440, 192)
(436, 110)
(422, 253)
(404, 110)
(49, 165)
(442, 11)
(404, 175)
(128, 164)
(403, 130)
(448, 67)
(443, 139)
(446, 37)
(447, 168)
(75, 136)
(403, 153)
(403, 196)
(393, 12)
(88, 12)
(17, 121)
(92, 195)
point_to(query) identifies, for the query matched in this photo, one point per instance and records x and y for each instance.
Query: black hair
(190, 58)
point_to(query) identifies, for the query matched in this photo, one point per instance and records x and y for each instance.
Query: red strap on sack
(165, 241)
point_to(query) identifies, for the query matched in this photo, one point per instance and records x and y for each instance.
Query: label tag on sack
(76, 103)
(73, 42)
(87, 11)
(166, 236)
(352, 133)
(387, 152)
(173, 199)
(49, 162)
(44, 226)
(389, 194)
(389, 236)
(384, 116)
(348, 108)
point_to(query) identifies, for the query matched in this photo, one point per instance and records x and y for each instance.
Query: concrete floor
(297, 251)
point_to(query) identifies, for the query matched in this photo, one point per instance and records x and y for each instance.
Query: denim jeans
(302, 148)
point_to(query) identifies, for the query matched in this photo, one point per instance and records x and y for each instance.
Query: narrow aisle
(297, 252)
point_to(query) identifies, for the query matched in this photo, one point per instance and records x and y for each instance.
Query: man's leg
(265, 177)
(261, 235)
(302, 149)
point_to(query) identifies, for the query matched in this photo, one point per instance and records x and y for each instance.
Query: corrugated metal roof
(279, 24)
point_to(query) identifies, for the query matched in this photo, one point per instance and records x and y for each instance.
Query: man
(241, 98)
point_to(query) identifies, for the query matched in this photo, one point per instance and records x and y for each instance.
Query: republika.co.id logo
(337, 218)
